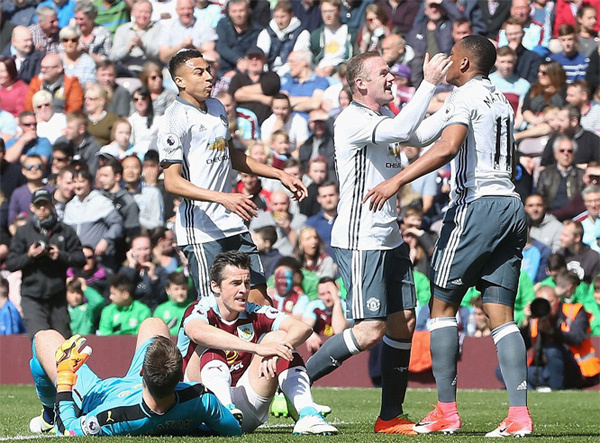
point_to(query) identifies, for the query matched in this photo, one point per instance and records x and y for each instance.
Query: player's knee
(369, 333)
(154, 325)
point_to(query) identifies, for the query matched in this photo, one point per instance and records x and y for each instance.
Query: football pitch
(570, 416)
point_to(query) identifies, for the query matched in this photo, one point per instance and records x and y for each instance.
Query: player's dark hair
(180, 58)
(229, 258)
(177, 278)
(122, 283)
(162, 368)
(482, 52)
(356, 67)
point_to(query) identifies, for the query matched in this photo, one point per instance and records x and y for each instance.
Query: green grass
(571, 416)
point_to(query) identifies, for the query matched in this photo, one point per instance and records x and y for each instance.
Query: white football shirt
(199, 141)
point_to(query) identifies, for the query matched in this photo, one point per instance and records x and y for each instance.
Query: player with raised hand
(483, 235)
(242, 352)
(148, 404)
(197, 155)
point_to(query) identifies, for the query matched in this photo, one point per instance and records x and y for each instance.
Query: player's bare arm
(207, 336)
(439, 155)
(237, 203)
(241, 162)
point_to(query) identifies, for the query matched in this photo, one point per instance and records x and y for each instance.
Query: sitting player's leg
(43, 370)
(510, 347)
(215, 375)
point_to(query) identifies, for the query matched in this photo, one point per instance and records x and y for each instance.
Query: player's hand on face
(295, 185)
(380, 194)
(275, 349)
(240, 204)
(434, 70)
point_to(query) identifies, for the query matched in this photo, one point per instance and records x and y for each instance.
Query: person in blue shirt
(10, 319)
(65, 10)
(149, 400)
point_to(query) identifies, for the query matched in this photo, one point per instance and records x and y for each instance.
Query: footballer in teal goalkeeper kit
(149, 400)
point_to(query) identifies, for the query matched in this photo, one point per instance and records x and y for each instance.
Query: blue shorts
(481, 244)
(201, 256)
(379, 282)
(90, 390)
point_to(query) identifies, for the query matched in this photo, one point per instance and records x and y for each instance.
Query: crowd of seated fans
(83, 88)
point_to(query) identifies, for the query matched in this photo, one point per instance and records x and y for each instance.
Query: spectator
(64, 188)
(243, 123)
(573, 62)
(94, 218)
(576, 208)
(279, 145)
(184, 32)
(557, 369)
(84, 305)
(67, 94)
(547, 91)
(591, 222)
(425, 186)
(535, 257)
(461, 27)
(45, 32)
(173, 310)
(559, 184)
(144, 124)
(579, 95)
(109, 178)
(402, 13)
(394, 50)
(151, 171)
(333, 43)
(149, 280)
(75, 61)
(100, 121)
(112, 13)
(50, 125)
(124, 315)
(309, 13)
(254, 88)
(545, 228)
(236, 34)
(286, 223)
(208, 12)
(12, 90)
(164, 251)
(26, 58)
(569, 119)
(120, 102)
(64, 10)
(566, 11)
(95, 40)
(284, 34)
(6, 28)
(43, 249)
(10, 318)
(152, 78)
(376, 26)
(587, 36)
(528, 61)
(137, 42)
(120, 145)
(316, 175)
(287, 294)
(250, 185)
(163, 9)
(62, 155)
(85, 147)
(325, 315)
(481, 322)
(8, 125)
(28, 143)
(579, 257)
(534, 38)
(20, 12)
(320, 143)
(328, 197)
(506, 81)
(94, 274)
(282, 118)
(148, 198)
(265, 238)
(310, 252)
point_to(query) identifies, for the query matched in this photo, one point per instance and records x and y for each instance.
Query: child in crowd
(479, 323)
(171, 312)
(317, 174)
(586, 19)
(280, 147)
(124, 315)
(10, 319)
(264, 238)
(84, 304)
(287, 294)
(121, 146)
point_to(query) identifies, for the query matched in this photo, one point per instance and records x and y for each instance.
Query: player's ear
(359, 82)
(179, 82)
(215, 287)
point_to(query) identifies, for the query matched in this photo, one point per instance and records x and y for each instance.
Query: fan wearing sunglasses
(27, 142)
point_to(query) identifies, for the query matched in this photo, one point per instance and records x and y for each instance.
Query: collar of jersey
(186, 103)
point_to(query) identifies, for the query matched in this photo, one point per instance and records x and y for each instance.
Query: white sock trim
(443, 322)
(502, 331)
(349, 341)
(405, 346)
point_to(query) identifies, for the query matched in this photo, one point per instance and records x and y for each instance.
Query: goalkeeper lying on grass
(149, 400)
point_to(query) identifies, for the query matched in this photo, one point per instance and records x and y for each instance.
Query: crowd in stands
(86, 243)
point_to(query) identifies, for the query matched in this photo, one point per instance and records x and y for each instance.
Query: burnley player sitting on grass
(242, 352)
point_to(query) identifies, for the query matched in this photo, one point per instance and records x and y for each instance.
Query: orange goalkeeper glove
(69, 358)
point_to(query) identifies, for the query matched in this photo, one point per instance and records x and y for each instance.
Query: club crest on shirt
(246, 332)
(373, 304)
(394, 149)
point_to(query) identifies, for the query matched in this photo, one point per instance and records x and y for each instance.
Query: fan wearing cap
(42, 250)
(403, 90)
(254, 89)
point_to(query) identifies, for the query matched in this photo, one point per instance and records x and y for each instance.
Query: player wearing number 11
(484, 230)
